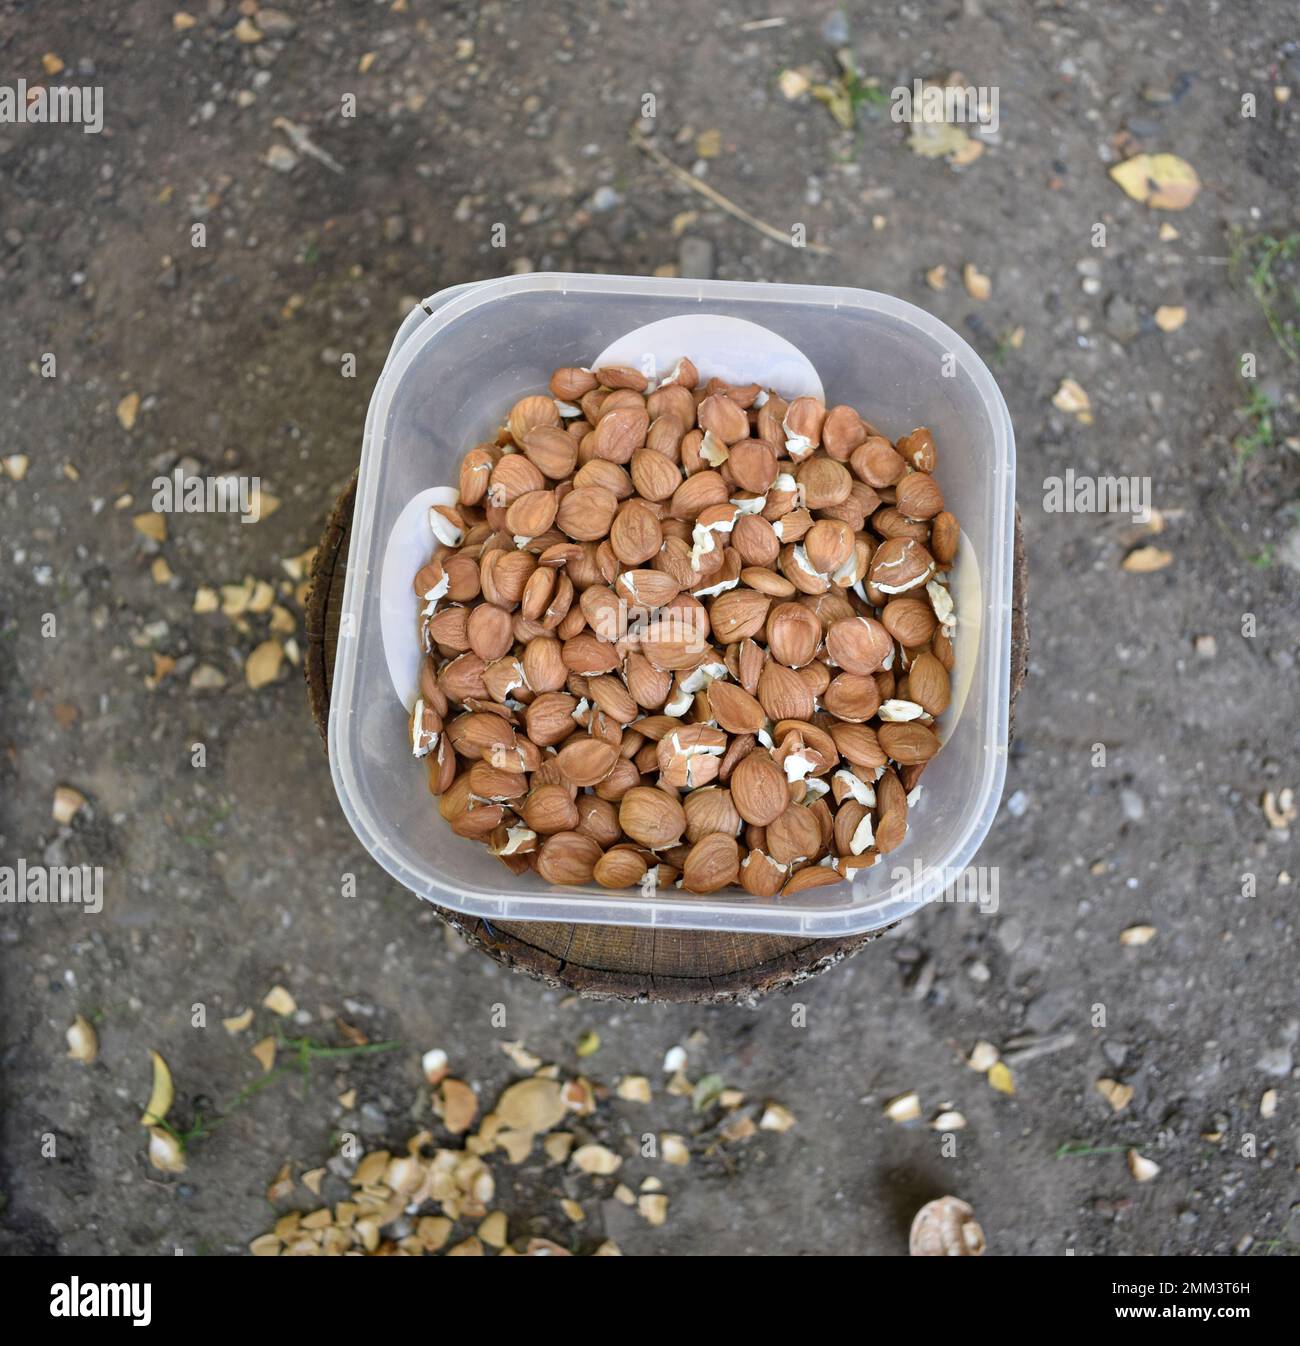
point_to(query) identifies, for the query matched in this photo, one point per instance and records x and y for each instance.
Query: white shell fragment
(898, 712)
(443, 529)
(946, 1228)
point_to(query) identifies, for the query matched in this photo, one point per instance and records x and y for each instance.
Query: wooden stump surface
(606, 961)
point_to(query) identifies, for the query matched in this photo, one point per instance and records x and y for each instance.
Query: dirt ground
(224, 880)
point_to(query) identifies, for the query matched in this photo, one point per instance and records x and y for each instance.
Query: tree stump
(606, 961)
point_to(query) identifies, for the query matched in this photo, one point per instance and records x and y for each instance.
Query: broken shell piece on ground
(946, 1228)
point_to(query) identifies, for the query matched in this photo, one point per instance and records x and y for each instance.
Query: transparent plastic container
(461, 359)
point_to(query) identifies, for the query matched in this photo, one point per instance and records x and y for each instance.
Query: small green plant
(1260, 432)
(1256, 260)
(304, 1052)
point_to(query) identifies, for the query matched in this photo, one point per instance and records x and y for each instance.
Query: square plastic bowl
(461, 359)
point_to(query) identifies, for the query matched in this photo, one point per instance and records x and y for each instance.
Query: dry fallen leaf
(264, 1051)
(1144, 560)
(83, 1042)
(1161, 181)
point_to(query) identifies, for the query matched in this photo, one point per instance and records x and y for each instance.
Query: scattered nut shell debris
(263, 664)
(67, 804)
(1268, 1103)
(127, 409)
(674, 1149)
(83, 1041)
(165, 1152)
(946, 1227)
(279, 1001)
(457, 1104)
(161, 1093)
(238, 1022)
(983, 1056)
(653, 1207)
(776, 1117)
(1137, 935)
(1142, 1168)
(634, 1088)
(977, 284)
(1169, 318)
(1145, 560)
(435, 1066)
(1118, 1095)
(903, 1108)
(264, 1051)
(948, 1120)
(1280, 808)
(1071, 398)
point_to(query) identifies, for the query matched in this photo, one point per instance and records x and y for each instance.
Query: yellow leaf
(160, 1097)
(1161, 181)
(1000, 1079)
